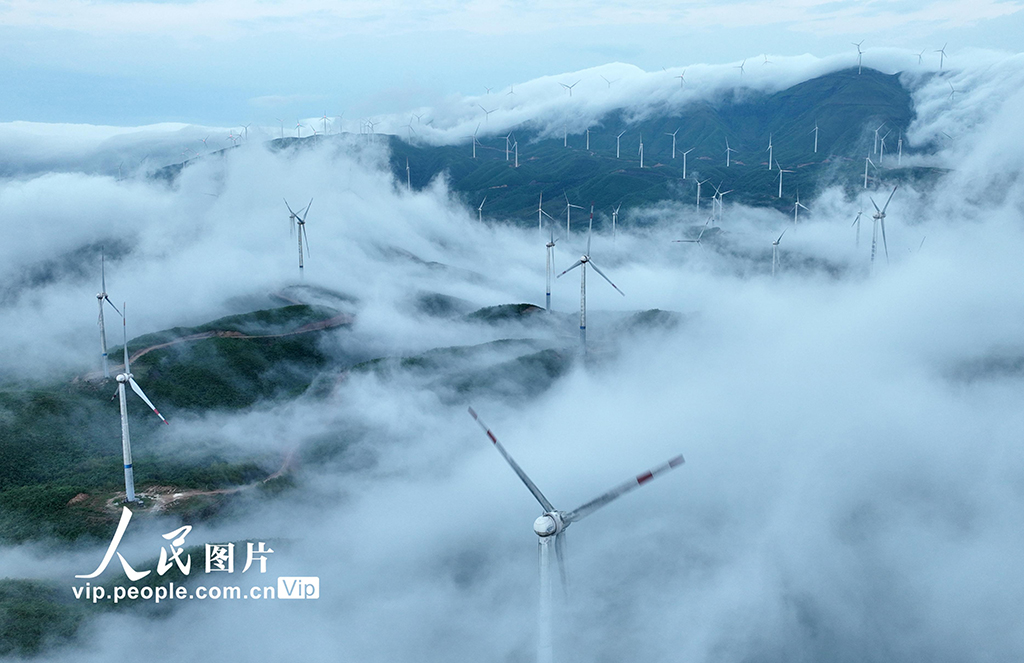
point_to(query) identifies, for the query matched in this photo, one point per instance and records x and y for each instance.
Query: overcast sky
(229, 62)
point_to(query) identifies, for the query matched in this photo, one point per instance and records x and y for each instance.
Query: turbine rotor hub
(548, 525)
(122, 377)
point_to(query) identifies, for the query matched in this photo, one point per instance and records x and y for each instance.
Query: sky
(853, 484)
(235, 62)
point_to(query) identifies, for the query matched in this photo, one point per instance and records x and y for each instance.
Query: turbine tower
(797, 207)
(617, 143)
(101, 296)
(126, 444)
(641, 150)
(568, 214)
(942, 55)
(879, 218)
(859, 54)
(673, 134)
(582, 264)
(728, 152)
(856, 222)
(480, 210)
(769, 151)
(781, 173)
(550, 266)
(550, 529)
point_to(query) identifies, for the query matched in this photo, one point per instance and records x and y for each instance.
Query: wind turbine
(796, 209)
(859, 54)
(881, 147)
(728, 152)
(508, 144)
(588, 139)
(952, 92)
(408, 177)
(769, 151)
(856, 222)
(474, 139)
(673, 134)
(899, 150)
(582, 264)
(548, 270)
(126, 443)
(298, 129)
(699, 184)
(776, 262)
(565, 136)
(879, 217)
(568, 88)
(876, 137)
(740, 66)
(942, 55)
(550, 530)
(541, 213)
(487, 113)
(300, 219)
(781, 172)
(815, 132)
(480, 210)
(608, 81)
(568, 213)
(682, 78)
(641, 150)
(617, 143)
(101, 296)
(684, 161)
(515, 147)
(867, 161)
(766, 60)
(920, 55)
(615, 218)
(695, 241)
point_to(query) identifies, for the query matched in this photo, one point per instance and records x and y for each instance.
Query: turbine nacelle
(549, 524)
(123, 377)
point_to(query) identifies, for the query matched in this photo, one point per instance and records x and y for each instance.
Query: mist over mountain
(852, 485)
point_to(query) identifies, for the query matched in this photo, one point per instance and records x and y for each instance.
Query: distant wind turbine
(782, 171)
(695, 241)
(550, 248)
(568, 214)
(769, 151)
(776, 260)
(856, 223)
(682, 78)
(568, 88)
(797, 207)
(860, 53)
(615, 218)
(673, 134)
(699, 185)
(298, 219)
(608, 81)
(684, 161)
(815, 132)
(728, 152)
(101, 296)
(480, 210)
(867, 162)
(879, 220)
(942, 55)
(740, 66)
(617, 143)
(641, 150)
(582, 264)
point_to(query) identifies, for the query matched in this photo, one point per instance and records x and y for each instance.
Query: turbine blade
(890, 198)
(138, 390)
(515, 466)
(103, 274)
(290, 210)
(873, 203)
(574, 266)
(111, 304)
(306, 238)
(305, 212)
(593, 505)
(124, 333)
(606, 278)
(780, 236)
(884, 244)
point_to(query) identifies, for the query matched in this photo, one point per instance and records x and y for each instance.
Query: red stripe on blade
(491, 435)
(646, 476)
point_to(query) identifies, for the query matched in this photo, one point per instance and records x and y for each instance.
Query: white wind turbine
(942, 55)
(617, 143)
(796, 209)
(298, 129)
(881, 147)
(408, 175)
(615, 219)
(126, 443)
(480, 210)
(541, 213)
(867, 162)
(673, 134)
(641, 150)
(815, 132)
(899, 150)
(952, 92)
(568, 88)
(728, 152)
(695, 241)
(740, 66)
(684, 161)
(859, 54)
(324, 119)
(299, 218)
(682, 78)
(474, 139)
(782, 171)
(920, 56)
(879, 220)
(487, 113)
(699, 185)
(776, 261)
(856, 222)
(550, 267)
(568, 214)
(876, 137)
(588, 139)
(550, 530)
(608, 81)
(101, 296)
(582, 264)
(508, 144)
(769, 151)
